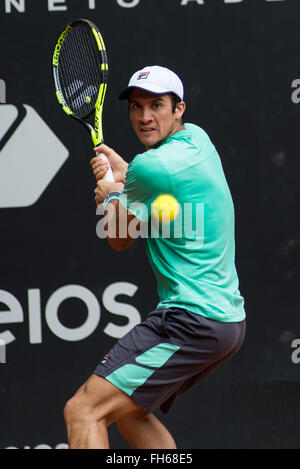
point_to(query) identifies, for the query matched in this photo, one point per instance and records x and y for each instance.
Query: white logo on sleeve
(30, 156)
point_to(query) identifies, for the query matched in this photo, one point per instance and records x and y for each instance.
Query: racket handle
(109, 175)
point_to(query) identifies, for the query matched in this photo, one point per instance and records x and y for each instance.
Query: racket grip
(109, 175)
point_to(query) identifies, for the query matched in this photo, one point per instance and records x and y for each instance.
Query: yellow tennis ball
(88, 100)
(165, 208)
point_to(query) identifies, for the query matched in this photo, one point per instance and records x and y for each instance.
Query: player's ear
(180, 109)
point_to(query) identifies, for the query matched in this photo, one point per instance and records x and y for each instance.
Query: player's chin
(149, 139)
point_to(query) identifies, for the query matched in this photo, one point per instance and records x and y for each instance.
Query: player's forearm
(118, 220)
(119, 244)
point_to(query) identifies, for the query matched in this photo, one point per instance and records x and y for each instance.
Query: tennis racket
(80, 71)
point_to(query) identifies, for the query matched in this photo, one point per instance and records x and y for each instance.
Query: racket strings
(80, 70)
(68, 66)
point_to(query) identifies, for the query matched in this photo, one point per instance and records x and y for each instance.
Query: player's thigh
(98, 399)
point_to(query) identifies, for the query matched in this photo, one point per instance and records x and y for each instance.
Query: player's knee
(71, 410)
(77, 410)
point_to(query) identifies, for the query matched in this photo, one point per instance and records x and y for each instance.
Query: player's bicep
(144, 182)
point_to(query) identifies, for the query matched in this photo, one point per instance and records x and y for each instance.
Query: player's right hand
(100, 167)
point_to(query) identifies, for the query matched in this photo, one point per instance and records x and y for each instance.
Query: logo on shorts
(143, 75)
(105, 359)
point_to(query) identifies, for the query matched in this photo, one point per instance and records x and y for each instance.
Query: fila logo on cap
(143, 75)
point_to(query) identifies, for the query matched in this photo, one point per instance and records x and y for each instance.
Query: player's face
(152, 117)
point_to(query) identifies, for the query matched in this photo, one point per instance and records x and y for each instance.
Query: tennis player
(199, 322)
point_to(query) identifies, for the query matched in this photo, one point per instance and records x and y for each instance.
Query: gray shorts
(168, 354)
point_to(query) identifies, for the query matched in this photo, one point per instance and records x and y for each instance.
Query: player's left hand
(104, 187)
(102, 190)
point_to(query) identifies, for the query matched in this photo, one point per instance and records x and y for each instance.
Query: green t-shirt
(194, 259)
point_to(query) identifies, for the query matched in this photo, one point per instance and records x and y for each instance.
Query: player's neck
(177, 128)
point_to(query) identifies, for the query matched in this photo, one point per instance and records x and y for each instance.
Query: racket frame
(96, 132)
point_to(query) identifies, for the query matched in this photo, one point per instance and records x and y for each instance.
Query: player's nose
(146, 116)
